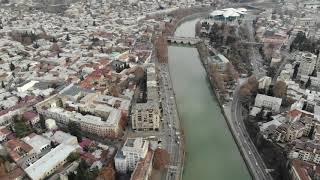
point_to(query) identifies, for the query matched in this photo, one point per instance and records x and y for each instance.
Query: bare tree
(280, 89)
(161, 158)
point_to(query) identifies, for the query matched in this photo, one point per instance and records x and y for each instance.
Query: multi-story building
(268, 102)
(306, 151)
(21, 153)
(134, 150)
(307, 64)
(301, 170)
(146, 116)
(108, 127)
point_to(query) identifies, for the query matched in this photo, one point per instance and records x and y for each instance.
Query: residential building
(146, 116)
(268, 102)
(134, 150)
(301, 170)
(108, 127)
(50, 162)
(306, 151)
(39, 143)
(220, 62)
(307, 64)
(21, 153)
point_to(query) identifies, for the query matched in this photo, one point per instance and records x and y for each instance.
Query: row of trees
(161, 46)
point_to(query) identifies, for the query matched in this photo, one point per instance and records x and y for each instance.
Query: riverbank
(226, 111)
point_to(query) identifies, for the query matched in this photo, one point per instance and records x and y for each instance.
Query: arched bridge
(183, 40)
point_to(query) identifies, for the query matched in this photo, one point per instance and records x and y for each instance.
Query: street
(170, 124)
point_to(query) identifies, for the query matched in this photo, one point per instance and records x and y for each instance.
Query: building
(264, 83)
(219, 61)
(39, 143)
(146, 116)
(144, 168)
(4, 133)
(20, 152)
(134, 150)
(306, 151)
(50, 162)
(268, 102)
(307, 64)
(301, 170)
(108, 127)
(228, 14)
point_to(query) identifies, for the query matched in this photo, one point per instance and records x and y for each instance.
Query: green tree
(308, 83)
(21, 129)
(75, 130)
(2, 84)
(12, 66)
(68, 37)
(73, 156)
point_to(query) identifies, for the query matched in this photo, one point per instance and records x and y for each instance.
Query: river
(211, 153)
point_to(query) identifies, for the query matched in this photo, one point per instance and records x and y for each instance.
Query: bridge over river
(183, 40)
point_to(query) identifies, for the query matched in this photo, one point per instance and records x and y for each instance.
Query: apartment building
(134, 150)
(88, 123)
(307, 64)
(146, 116)
(268, 102)
(306, 151)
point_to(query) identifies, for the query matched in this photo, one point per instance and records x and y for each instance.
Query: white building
(307, 64)
(39, 143)
(269, 102)
(88, 123)
(131, 153)
(50, 162)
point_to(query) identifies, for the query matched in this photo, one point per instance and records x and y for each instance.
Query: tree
(308, 83)
(161, 158)
(21, 129)
(2, 84)
(73, 156)
(75, 130)
(12, 66)
(68, 37)
(280, 89)
(161, 46)
(295, 71)
(42, 123)
(107, 173)
(253, 83)
(55, 48)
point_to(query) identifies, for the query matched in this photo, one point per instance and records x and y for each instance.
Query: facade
(269, 102)
(306, 151)
(21, 153)
(38, 143)
(219, 61)
(307, 64)
(134, 150)
(50, 162)
(88, 123)
(146, 116)
(301, 170)
(227, 15)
